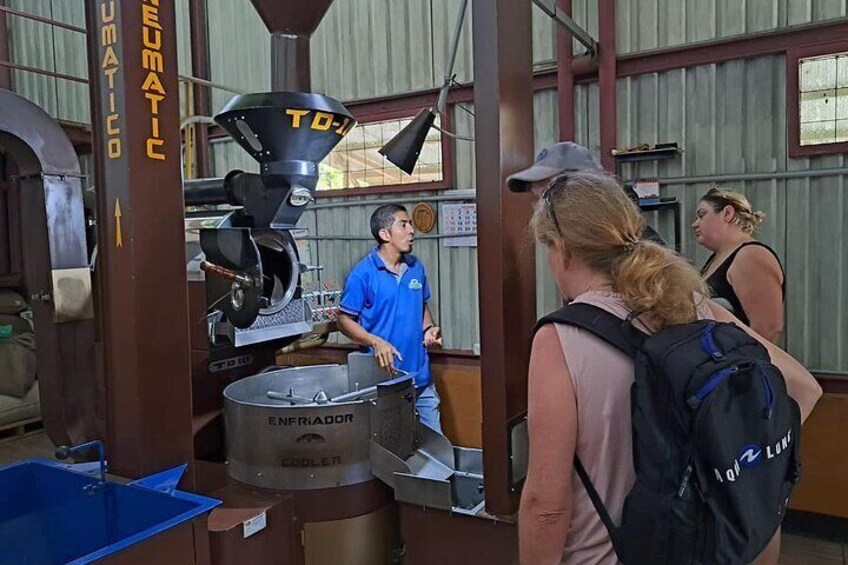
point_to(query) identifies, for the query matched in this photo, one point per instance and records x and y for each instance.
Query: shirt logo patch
(415, 285)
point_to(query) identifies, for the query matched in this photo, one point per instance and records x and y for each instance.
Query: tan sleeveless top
(601, 376)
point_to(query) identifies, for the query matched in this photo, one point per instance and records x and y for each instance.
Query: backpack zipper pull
(708, 343)
(768, 410)
(685, 482)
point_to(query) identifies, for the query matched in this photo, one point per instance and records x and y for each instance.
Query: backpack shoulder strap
(614, 532)
(617, 332)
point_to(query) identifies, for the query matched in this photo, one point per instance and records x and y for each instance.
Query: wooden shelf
(662, 205)
(648, 155)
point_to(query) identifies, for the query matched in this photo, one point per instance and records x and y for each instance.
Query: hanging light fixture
(404, 148)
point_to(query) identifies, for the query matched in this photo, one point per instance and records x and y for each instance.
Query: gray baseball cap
(553, 161)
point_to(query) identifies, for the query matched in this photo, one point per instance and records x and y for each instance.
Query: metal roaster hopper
(252, 267)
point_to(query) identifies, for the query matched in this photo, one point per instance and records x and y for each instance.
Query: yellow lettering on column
(109, 58)
(153, 83)
(154, 103)
(150, 16)
(114, 148)
(109, 34)
(104, 17)
(156, 42)
(152, 60)
(110, 74)
(152, 144)
(110, 129)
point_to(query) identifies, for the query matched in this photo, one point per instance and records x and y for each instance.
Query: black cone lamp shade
(404, 148)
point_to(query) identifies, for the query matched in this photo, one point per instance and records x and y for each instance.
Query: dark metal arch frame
(56, 271)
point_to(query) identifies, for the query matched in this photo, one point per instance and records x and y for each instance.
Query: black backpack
(715, 442)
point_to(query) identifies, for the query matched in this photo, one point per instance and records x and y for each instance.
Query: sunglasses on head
(556, 186)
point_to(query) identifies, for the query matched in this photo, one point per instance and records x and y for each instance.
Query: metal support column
(503, 99)
(565, 76)
(200, 69)
(143, 299)
(607, 82)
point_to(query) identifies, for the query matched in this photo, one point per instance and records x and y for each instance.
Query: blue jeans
(427, 403)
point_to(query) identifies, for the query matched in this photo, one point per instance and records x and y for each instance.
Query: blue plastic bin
(50, 514)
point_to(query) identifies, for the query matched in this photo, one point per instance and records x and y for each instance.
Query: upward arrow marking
(119, 238)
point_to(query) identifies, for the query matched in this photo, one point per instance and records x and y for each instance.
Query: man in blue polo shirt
(384, 307)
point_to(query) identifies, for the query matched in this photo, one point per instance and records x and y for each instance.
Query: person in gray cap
(551, 162)
(561, 158)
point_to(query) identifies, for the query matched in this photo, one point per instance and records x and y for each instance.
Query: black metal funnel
(292, 16)
(288, 133)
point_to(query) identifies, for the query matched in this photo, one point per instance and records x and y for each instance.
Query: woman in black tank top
(744, 275)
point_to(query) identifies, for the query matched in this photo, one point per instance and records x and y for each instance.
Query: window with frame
(823, 99)
(356, 162)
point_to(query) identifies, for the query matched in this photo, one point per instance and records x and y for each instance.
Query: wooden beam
(503, 100)
(607, 83)
(565, 77)
(199, 32)
(143, 287)
(746, 47)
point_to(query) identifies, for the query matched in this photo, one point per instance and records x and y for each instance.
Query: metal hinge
(42, 296)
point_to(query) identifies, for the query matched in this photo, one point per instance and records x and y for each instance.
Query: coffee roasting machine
(329, 429)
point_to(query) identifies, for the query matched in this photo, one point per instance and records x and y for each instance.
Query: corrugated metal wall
(239, 49)
(730, 119)
(368, 48)
(651, 24)
(40, 45)
(227, 155)
(183, 23)
(546, 131)
(183, 37)
(817, 263)
(371, 48)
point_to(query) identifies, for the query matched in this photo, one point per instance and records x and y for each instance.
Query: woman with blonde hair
(579, 386)
(745, 274)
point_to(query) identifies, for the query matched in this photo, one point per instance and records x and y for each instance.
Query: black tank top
(720, 287)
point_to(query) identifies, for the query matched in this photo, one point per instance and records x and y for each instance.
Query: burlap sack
(17, 365)
(11, 302)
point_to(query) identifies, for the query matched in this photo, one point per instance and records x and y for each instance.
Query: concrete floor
(796, 550)
(35, 445)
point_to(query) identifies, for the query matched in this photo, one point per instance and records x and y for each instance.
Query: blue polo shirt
(392, 307)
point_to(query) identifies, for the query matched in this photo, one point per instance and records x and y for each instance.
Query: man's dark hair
(382, 219)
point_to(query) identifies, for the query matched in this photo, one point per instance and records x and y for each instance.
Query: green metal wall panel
(642, 25)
